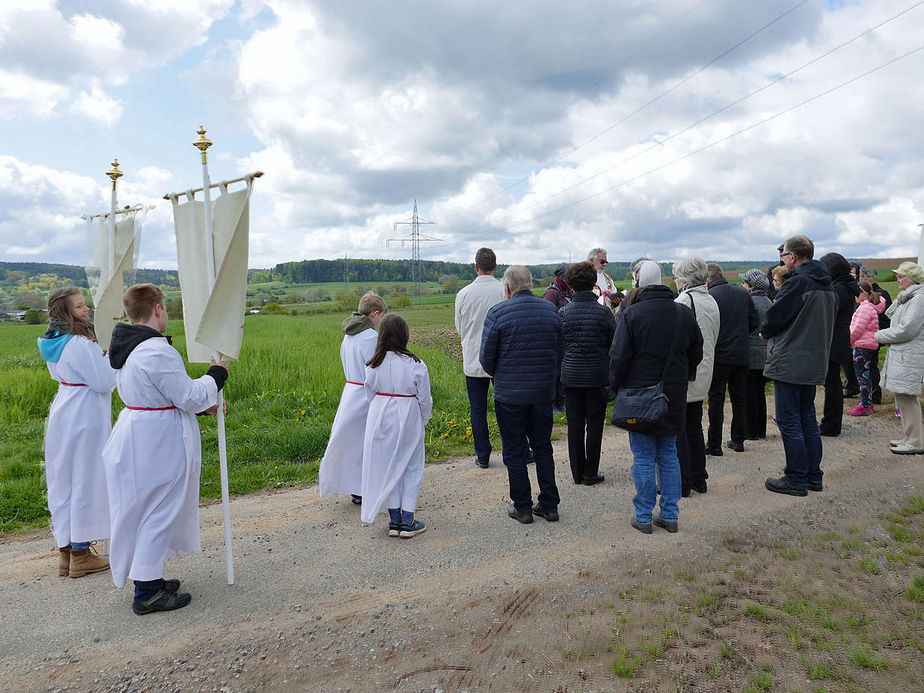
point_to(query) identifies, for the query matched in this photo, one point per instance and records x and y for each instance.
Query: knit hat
(913, 271)
(756, 279)
(561, 269)
(647, 274)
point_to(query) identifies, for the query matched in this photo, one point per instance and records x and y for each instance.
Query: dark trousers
(875, 390)
(522, 426)
(734, 377)
(850, 377)
(586, 410)
(755, 404)
(795, 416)
(691, 448)
(478, 405)
(833, 413)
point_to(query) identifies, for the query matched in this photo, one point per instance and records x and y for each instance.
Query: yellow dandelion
(303, 412)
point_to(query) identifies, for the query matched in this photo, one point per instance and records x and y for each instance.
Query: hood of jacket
(124, 340)
(356, 323)
(51, 347)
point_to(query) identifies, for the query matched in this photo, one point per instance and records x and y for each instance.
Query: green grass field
(282, 396)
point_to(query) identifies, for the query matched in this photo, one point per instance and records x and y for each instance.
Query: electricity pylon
(414, 238)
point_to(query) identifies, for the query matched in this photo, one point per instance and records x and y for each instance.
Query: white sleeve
(167, 373)
(90, 364)
(424, 398)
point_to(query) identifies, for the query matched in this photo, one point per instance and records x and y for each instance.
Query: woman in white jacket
(690, 276)
(79, 422)
(904, 364)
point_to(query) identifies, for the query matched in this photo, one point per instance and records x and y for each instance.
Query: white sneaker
(905, 449)
(893, 443)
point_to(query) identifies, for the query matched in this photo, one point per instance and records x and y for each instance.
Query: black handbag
(639, 407)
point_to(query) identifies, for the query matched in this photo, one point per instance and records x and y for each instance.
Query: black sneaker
(641, 526)
(172, 586)
(548, 515)
(735, 445)
(815, 486)
(162, 601)
(524, 518)
(591, 480)
(699, 487)
(669, 525)
(482, 464)
(784, 485)
(713, 451)
(355, 499)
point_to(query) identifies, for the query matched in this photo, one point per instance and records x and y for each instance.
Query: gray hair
(592, 255)
(714, 270)
(692, 271)
(518, 278)
(633, 268)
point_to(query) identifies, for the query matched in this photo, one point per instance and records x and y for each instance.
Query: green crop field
(282, 396)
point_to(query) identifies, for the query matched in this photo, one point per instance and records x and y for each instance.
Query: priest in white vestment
(342, 466)
(153, 456)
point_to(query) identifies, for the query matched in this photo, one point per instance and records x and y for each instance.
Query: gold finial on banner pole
(202, 143)
(115, 173)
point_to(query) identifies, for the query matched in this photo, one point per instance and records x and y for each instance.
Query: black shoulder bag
(639, 407)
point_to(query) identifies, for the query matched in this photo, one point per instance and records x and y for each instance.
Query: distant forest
(28, 284)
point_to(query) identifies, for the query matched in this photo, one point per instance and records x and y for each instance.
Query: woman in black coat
(847, 290)
(653, 331)
(588, 329)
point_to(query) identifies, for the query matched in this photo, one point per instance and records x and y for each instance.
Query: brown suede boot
(87, 561)
(64, 561)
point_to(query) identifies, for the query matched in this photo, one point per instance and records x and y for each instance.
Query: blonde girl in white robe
(342, 466)
(79, 422)
(397, 386)
(153, 457)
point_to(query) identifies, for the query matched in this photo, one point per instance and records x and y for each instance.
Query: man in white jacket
(153, 457)
(472, 305)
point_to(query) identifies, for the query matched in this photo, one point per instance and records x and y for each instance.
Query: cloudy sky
(538, 128)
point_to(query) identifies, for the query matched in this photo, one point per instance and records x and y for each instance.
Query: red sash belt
(73, 384)
(392, 394)
(150, 408)
(353, 382)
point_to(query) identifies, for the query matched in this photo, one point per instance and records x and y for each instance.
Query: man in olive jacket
(798, 327)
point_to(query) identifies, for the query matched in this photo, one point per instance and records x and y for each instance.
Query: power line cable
(723, 139)
(642, 107)
(689, 127)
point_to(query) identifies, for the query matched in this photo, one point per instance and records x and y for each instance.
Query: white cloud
(98, 105)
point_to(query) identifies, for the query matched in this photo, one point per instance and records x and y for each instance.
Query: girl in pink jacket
(863, 328)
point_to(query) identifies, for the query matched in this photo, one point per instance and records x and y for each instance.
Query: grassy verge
(836, 610)
(282, 394)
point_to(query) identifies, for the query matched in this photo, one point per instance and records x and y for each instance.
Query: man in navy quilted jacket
(521, 347)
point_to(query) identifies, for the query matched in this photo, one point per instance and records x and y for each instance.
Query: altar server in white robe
(78, 425)
(153, 456)
(342, 467)
(397, 386)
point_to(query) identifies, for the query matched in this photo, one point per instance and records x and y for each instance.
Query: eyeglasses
(782, 255)
(602, 262)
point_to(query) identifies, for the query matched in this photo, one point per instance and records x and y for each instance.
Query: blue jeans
(478, 405)
(652, 452)
(795, 417)
(522, 426)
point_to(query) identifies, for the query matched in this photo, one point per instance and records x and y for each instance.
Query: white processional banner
(106, 276)
(214, 320)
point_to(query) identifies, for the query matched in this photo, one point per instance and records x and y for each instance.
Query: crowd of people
(585, 343)
(799, 325)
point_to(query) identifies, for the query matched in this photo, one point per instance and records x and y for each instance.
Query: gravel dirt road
(478, 602)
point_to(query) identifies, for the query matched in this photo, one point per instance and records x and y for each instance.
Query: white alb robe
(79, 423)
(342, 467)
(153, 460)
(393, 446)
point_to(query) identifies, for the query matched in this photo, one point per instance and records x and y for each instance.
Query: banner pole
(114, 173)
(202, 143)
